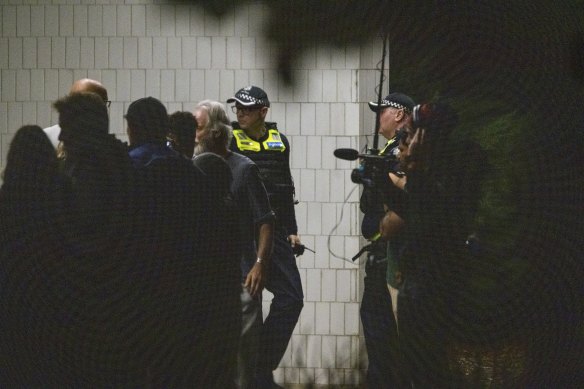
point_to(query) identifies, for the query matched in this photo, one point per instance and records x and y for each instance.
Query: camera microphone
(352, 154)
(346, 154)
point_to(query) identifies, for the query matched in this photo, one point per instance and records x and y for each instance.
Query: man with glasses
(270, 150)
(79, 86)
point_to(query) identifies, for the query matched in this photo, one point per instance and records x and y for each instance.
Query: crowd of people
(143, 264)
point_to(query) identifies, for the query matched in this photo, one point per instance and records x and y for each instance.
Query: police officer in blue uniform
(264, 144)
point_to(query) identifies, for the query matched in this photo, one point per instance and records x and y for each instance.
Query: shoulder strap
(244, 142)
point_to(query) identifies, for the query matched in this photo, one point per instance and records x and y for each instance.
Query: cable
(378, 90)
(337, 226)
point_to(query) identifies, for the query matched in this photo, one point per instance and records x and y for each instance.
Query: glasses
(108, 103)
(244, 110)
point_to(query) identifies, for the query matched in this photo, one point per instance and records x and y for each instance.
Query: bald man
(82, 85)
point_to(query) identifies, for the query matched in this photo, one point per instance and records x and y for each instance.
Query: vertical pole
(379, 95)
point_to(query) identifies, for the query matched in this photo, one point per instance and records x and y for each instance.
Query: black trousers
(379, 327)
(423, 325)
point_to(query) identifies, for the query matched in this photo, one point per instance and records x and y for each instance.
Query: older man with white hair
(256, 229)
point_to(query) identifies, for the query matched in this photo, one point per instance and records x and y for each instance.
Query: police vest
(371, 204)
(272, 161)
(390, 146)
(391, 150)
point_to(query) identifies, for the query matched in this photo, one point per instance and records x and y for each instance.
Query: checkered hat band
(250, 99)
(387, 103)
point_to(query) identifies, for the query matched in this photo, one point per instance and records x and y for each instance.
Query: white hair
(219, 126)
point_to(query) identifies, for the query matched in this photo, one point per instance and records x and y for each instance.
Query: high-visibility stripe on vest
(246, 143)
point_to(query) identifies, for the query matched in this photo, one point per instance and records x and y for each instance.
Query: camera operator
(379, 323)
(432, 240)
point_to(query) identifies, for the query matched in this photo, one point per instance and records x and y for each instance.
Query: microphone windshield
(346, 154)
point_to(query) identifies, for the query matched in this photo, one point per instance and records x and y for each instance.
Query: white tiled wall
(181, 55)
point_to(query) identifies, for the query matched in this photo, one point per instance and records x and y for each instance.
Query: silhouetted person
(97, 164)
(33, 212)
(83, 85)
(181, 134)
(184, 230)
(442, 182)
(107, 284)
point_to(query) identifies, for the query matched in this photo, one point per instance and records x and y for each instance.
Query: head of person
(437, 120)
(213, 128)
(87, 85)
(394, 113)
(147, 121)
(182, 127)
(31, 159)
(251, 107)
(83, 119)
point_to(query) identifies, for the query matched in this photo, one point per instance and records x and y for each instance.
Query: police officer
(379, 324)
(263, 143)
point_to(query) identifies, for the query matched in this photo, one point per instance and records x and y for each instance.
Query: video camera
(374, 168)
(373, 174)
(436, 118)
